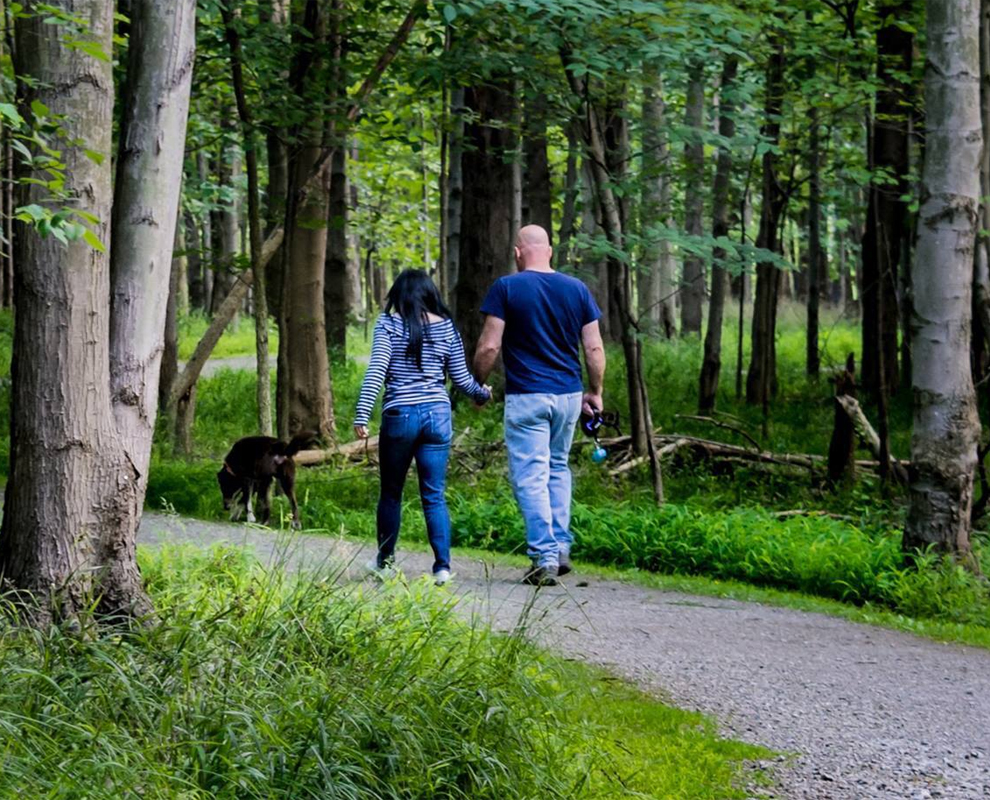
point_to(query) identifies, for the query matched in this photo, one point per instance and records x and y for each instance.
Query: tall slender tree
(886, 217)
(761, 379)
(263, 392)
(693, 281)
(657, 295)
(946, 425)
(711, 366)
(486, 211)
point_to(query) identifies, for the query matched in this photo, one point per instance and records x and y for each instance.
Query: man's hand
(361, 431)
(591, 403)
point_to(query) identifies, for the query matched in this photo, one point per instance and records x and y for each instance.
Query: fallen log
(358, 449)
(719, 424)
(868, 436)
(809, 512)
(667, 445)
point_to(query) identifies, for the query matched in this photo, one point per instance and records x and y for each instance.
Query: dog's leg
(247, 503)
(264, 501)
(237, 505)
(287, 481)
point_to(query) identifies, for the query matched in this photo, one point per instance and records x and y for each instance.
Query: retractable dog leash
(591, 425)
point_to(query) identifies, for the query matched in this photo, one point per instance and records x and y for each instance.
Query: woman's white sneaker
(441, 576)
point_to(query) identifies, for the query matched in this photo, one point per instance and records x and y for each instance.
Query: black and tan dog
(249, 469)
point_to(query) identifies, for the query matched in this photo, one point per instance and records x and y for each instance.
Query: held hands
(591, 403)
(488, 400)
(361, 431)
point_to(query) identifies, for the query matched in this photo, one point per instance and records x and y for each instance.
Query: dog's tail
(300, 441)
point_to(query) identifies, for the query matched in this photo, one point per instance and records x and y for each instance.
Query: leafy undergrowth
(812, 554)
(256, 684)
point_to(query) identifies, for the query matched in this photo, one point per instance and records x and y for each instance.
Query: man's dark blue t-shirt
(544, 313)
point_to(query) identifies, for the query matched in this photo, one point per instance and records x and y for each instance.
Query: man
(537, 318)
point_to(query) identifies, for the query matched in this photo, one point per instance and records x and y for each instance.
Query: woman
(415, 348)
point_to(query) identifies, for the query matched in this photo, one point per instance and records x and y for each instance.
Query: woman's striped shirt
(406, 383)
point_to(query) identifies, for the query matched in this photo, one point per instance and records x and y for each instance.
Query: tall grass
(257, 685)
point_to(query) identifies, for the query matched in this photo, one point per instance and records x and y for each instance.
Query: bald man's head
(533, 249)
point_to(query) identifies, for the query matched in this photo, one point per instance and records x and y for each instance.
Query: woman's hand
(488, 399)
(361, 431)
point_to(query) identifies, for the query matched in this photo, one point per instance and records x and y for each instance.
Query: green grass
(237, 339)
(256, 684)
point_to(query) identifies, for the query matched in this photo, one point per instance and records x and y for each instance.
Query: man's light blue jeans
(539, 430)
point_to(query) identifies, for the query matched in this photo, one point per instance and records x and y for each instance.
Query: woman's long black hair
(413, 296)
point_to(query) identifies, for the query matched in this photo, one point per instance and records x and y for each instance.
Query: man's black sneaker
(565, 565)
(541, 576)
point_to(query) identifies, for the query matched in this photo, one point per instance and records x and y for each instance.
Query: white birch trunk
(149, 179)
(946, 426)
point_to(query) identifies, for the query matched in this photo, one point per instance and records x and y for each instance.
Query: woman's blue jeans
(422, 432)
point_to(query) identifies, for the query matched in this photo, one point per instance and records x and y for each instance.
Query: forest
(781, 209)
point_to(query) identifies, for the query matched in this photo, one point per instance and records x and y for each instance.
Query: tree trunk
(537, 190)
(693, 288)
(309, 403)
(194, 263)
(304, 369)
(812, 359)
(145, 219)
(572, 190)
(486, 224)
(170, 354)
(337, 289)
(275, 13)
(711, 366)
(263, 391)
(641, 423)
(886, 218)
(85, 409)
(657, 296)
(946, 426)
(455, 195)
(69, 476)
(616, 138)
(761, 380)
(7, 298)
(593, 265)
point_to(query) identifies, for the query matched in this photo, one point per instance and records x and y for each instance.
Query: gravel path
(868, 712)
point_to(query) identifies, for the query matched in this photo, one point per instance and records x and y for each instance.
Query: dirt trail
(869, 713)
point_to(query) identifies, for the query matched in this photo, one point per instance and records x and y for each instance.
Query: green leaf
(21, 148)
(39, 109)
(33, 212)
(93, 49)
(449, 13)
(91, 239)
(9, 112)
(92, 219)
(94, 156)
